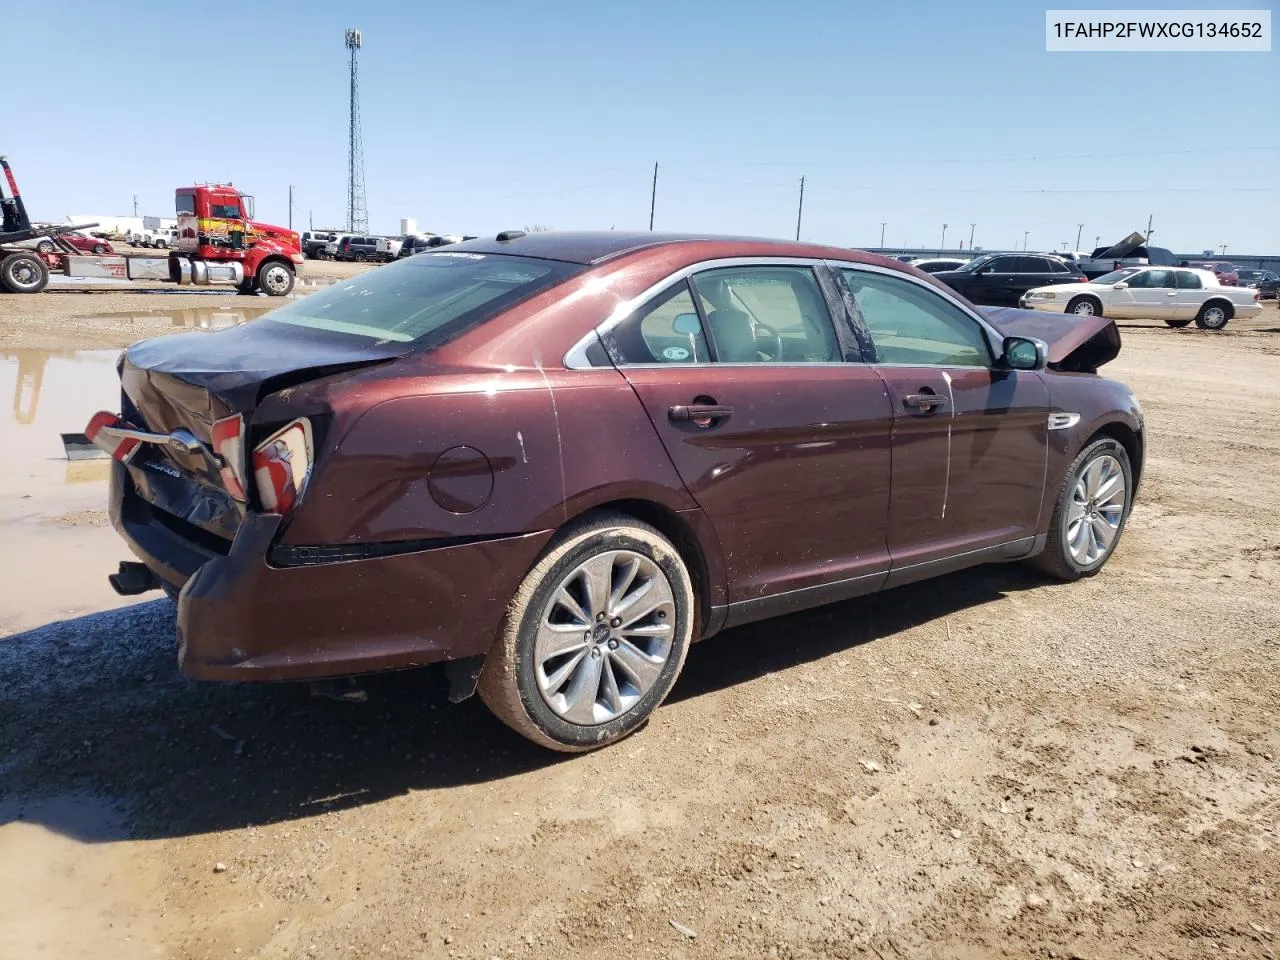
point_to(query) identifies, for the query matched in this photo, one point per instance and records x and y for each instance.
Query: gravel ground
(986, 765)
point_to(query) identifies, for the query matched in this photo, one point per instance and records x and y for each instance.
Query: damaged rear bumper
(240, 618)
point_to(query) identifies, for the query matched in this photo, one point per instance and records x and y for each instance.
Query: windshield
(976, 264)
(428, 297)
(1116, 276)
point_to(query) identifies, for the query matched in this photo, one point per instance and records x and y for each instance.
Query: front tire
(1085, 306)
(23, 273)
(594, 638)
(275, 279)
(46, 246)
(101, 248)
(1093, 506)
(1177, 324)
(1213, 315)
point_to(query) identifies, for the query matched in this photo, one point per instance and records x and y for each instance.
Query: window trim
(576, 357)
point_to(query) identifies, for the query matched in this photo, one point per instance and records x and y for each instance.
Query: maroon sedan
(555, 460)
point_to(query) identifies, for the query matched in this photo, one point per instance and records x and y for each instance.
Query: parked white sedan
(1176, 295)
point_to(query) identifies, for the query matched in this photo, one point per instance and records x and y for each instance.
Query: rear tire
(101, 248)
(1213, 315)
(23, 273)
(46, 246)
(275, 279)
(1085, 306)
(572, 691)
(1088, 512)
(247, 288)
(1177, 324)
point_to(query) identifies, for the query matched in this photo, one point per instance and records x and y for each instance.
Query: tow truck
(219, 243)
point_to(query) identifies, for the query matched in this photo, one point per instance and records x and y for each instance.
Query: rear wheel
(247, 287)
(275, 279)
(1177, 324)
(101, 248)
(1213, 315)
(1085, 307)
(1093, 505)
(46, 246)
(594, 638)
(23, 273)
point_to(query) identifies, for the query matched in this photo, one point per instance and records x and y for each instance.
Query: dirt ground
(987, 765)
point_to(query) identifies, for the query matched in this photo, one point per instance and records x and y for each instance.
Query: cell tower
(357, 206)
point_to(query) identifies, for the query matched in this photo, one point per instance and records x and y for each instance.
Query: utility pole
(800, 211)
(1148, 237)
(882, 226)
(972, 227)
(653, 197)
(942, 245)
(1079, 231)
(291, 206)
(311, 221)
(135, 204)
(1224, 249)
(1025, 234)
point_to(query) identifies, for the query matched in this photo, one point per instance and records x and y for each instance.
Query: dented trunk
(192, 382)
(1076, 344)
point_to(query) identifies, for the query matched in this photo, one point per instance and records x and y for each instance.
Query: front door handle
(684, 413)
(928, 402)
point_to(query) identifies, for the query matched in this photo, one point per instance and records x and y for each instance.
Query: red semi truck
(219, 242)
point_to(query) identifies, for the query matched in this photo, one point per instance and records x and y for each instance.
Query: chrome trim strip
(1063, 420)
(948, 558)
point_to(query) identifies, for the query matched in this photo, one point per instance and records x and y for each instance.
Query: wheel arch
(677, 528)
(1132, 442)
(1225, 301)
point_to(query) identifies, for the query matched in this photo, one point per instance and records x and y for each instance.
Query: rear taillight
(281, 464)
(1082, 279)
(120, 448)
(228, 444)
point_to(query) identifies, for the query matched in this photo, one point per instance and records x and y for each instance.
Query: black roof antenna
(506, 235)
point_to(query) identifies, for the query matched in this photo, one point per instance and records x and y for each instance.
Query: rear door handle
(924, 401)
(683, 413)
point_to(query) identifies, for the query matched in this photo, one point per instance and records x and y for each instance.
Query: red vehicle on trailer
(219, 243)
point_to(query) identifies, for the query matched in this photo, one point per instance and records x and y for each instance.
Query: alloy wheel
(1096, 511)
(1084, 309)
(1215, 317)
(605, 637)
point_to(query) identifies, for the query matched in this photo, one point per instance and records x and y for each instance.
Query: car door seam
(946, 484)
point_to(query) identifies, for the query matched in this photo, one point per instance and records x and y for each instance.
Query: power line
(897, 161)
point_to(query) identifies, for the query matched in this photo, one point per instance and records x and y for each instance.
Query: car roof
(593, 247)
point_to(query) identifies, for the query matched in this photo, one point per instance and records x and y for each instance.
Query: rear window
(427, 298)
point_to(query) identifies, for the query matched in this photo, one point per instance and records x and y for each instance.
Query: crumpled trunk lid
(190, 381)
(1081, 344)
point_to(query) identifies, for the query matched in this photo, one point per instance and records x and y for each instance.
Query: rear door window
(665, 330)
(1188, 281)
(766, 314)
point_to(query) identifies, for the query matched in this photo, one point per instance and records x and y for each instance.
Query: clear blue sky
(483, 116)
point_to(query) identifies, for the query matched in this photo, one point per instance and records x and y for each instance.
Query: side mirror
(686, 324)
(1025, 353)
(1120, 286)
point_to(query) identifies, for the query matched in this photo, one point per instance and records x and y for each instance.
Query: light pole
(1025, 234)
(1224, 249)
(972, 227)
(882, 226)
(1079, 231)
(943, 244)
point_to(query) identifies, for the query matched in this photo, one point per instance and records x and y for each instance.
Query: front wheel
(46, 246)
(275, 279)
(1085, 307)
(1177, 324)
(594, 638)
(23, 273)
(101, 248)
(1213, 316)
(1093, 505)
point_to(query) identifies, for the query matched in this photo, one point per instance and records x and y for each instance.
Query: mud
(986, 765)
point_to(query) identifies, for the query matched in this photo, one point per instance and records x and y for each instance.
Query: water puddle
(191, 318)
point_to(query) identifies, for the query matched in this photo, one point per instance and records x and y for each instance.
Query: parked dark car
(357, 248)
(314, 242)
(1000, 279)
(1266, 285)
(417, 244)
(554, 461)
